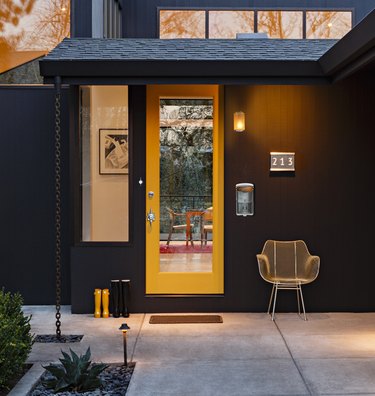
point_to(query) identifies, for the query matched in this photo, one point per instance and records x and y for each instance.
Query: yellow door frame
(183, 282)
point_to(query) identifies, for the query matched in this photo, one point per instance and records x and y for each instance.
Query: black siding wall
(27, 194)
(328, 201)
(141, 22)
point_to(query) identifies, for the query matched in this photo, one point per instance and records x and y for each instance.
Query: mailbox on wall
(244, 199)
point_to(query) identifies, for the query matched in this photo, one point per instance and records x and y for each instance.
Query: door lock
(151, 216)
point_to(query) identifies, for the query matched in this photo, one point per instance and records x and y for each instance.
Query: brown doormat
(172, 319)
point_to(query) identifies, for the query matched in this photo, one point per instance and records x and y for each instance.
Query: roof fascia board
(180, 69)
(352, 46)
(356, 65)
(76, 80)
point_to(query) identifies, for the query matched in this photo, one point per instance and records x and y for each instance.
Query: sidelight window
(105, 154)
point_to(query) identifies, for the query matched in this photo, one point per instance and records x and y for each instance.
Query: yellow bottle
(98, 302)
(105, 302)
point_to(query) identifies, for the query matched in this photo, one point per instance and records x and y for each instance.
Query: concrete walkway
(330, 354)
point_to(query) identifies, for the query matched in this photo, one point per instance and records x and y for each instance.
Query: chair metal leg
(298, 303)
(269, 304)
(303, 304)
(274, 303)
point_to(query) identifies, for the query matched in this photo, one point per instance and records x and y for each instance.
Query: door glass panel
(186, 159)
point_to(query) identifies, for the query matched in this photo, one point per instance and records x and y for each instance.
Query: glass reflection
(31, 28)
(186, 224)
(281, 24)
(225, 24)
(182, 24)
(327, 24)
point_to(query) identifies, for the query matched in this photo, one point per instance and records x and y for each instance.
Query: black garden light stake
(124, 328)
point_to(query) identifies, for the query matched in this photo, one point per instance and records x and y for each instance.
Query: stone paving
(248, 354)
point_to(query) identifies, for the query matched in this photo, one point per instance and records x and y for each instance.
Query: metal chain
(58, 209)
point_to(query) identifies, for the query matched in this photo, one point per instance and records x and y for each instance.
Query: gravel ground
(52, 338)
(115, 381)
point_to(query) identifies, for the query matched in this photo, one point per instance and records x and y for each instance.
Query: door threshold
(184, 295)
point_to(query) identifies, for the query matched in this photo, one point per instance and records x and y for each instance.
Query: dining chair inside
(175, 225)
(206, 225)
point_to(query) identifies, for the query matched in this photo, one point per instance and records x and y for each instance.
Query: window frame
(255, 10)
(327, 10)
(75, 164)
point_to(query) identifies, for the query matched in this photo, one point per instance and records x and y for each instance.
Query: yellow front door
(184, 190)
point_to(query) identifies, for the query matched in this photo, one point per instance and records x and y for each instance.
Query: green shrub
(75, 373)
(15, 337)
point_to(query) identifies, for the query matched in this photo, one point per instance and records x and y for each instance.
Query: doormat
(185, 249)
(176, 319)
(52, 338)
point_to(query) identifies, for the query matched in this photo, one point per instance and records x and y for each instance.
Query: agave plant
(75, 373)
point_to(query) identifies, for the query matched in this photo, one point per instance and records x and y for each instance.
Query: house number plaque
(282, 162)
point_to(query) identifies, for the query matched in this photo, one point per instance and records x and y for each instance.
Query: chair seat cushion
(288, 281)
(179, 227)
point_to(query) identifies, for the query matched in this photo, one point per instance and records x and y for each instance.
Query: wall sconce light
(239, 121)
(124, 328)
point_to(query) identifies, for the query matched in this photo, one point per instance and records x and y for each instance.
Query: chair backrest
(171, 214)
(207, 215)
(286, 258)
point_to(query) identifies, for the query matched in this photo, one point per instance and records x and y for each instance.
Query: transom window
(225, 24)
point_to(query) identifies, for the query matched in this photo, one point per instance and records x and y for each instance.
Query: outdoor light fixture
(124, 328)
(239, 121)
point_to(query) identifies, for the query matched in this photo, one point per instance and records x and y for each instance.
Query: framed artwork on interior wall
(113, 151)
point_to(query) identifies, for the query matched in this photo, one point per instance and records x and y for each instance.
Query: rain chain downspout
(58, 202)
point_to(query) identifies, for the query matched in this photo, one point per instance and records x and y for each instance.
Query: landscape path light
(124, 328)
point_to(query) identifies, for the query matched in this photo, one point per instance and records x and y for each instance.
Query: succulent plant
(75, 373)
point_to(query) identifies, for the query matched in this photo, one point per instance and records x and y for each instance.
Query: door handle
(151, 217)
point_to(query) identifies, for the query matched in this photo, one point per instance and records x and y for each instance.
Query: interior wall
(106, 196)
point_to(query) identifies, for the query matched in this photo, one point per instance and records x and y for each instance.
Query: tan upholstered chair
(175, 225)
(287, 265)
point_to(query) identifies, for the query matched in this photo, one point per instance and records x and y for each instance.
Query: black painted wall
(81, 18)
(141, 22)
(27, 194)
(327, 202)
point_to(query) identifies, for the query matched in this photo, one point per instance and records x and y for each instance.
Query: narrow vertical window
(327, 24)
(281, 24)
(226, 24)
(182, 24)
(105, 163)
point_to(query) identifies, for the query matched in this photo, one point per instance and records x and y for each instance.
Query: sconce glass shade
(239, 121)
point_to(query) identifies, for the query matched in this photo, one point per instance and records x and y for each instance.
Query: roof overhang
(251, 61)
(353, 52)
(150, 61)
